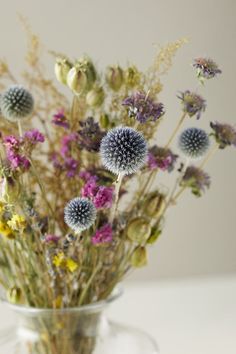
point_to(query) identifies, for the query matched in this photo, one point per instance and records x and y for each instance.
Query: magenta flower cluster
(64, 160)
(102, 235)
(101, 196)
(60, 119)
(161, 158)
(16, 148)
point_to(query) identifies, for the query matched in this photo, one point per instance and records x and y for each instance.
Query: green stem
(180, 122)
(116, 193)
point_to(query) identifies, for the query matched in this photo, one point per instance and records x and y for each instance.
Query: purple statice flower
(90, 135)
(196, 179)
(143, 108)
(152, 162)
(67, 142)
(11, 142)
(161, 158)
(60, 119)
(206, 68)
(224, 134)
(103, 197)
(103, 235)
(33, 136)
(14, 156)
(17, 161)
(52, 239)
(70, 166)
(90, 189)
(55, 158)
(192, 103)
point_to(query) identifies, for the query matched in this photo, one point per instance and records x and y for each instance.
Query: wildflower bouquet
(79, 199)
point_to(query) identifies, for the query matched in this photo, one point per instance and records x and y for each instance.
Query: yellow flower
(71, 265)
(6, 231)
(59, 260)
(17, 222)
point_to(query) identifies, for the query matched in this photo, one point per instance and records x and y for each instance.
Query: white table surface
(185, 316)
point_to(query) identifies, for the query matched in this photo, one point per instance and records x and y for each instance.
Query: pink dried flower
(104, 197)
(101, 196)
(103, 235)
(67, 142)
(59, 119)
(162, 158)
(34, 136)
(51, 238)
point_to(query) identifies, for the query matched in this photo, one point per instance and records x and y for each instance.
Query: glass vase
(82, 330)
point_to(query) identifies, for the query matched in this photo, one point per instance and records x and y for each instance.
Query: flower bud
(95, 97)
(76, 80)
(132, 76)
(138, 230)
(114, 77)
(154, 236)
(139, 257)
(104, 121)
(62, 67)
(14, 295)
(154, 204)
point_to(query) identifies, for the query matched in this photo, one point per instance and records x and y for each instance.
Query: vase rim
(93, 307)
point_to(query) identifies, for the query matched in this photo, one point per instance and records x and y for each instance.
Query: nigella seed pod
(80, 214)
(62, 67)
(139, 257)
(104, 121)
(194, 142)
(114, 77)
(123, 150)
(76, 80)
(138, 230)
(154, 204)
(95, 97)
(16, 103)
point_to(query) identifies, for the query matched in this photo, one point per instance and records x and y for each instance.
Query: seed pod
(95, 97)
(61, 69)
(132, 76)
(104, 121)
(76, 80)
(139, 257)
(154, 204)
(154, 236)
(138, 230)
(114, 77)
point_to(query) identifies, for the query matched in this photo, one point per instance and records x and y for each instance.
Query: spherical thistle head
(194, 142)
(80, 214)
(16, 103)
(123, 150)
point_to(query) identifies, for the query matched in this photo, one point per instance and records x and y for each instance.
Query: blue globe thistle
(16, 103)
(123, 150)
(194, 142)
(80, 214)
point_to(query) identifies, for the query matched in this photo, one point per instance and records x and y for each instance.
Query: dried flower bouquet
(79, 199)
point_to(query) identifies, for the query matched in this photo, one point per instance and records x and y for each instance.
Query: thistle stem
(171, 197)
(20, 128)
(210, 154)
(180, 122)
(116, 192)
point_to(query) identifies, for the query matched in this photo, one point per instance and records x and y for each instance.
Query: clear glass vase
(82, 330)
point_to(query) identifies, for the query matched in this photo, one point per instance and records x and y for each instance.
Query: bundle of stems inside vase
(80, 201)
